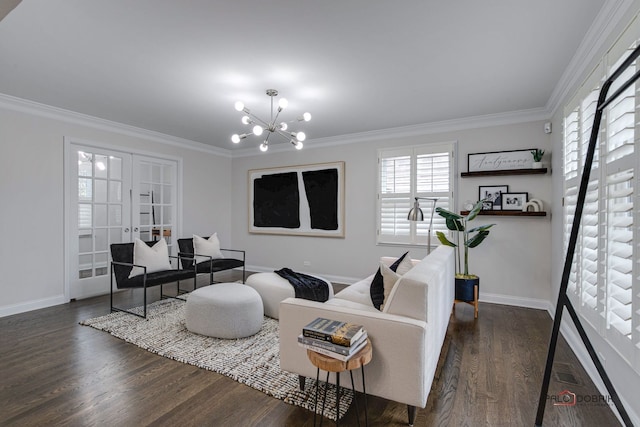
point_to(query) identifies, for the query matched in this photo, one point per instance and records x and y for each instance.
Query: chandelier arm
(283, 134)
(258, 119)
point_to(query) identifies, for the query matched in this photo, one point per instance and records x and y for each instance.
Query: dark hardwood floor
(55, 372)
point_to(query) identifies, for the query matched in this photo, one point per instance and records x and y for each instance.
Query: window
(406, 173)
(604, 285)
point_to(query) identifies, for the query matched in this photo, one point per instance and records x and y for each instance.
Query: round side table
(330, 364)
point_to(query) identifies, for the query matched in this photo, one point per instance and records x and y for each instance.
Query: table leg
(364, 391)
(324, 399)
(353, 387)
(315, 403)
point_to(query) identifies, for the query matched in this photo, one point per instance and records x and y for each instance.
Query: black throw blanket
(305, 286)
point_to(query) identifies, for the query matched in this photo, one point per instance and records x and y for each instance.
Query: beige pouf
(273, 289)
(224, 310)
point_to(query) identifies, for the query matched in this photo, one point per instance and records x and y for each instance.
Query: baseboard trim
(536, 303)
(10, 310)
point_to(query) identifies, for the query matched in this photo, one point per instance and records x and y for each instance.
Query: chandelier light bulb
(272, 126)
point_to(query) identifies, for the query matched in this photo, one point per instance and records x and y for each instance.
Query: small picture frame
(487, 205)
(493, 194)
(514, 201)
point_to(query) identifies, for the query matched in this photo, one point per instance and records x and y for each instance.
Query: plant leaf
(448, 214)
(443, 239)
(475, 211)
(454, 225)
(477, 239)
(481, 228)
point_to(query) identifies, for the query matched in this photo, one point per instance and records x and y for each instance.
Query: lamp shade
(415, 214)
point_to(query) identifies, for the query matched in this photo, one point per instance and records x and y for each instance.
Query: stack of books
(340, 340)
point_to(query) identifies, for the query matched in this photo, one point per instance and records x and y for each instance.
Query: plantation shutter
(406, 173)
(571, 164)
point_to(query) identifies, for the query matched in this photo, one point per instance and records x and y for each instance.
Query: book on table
(334, 331)
(332, 350)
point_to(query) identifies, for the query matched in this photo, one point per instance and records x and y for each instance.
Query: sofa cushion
(155, 258)
(340, 302)
(357, 292)
(377, 284)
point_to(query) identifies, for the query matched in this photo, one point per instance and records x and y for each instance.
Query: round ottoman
(273, 289)
(224, 310)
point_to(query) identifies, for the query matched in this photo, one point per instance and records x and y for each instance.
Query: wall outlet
(307, 263)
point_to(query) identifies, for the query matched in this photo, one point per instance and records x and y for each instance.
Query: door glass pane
(85, 189)
(115, 191)
(85, 243)
(85, 264)
(145, 172)
(166, 215)
(100, 215)
(100, 239)
(101, 264)
(156, 173)
(101, 163)
(167, 196)
(115, 170)
(101, 191)
(85, 218)
(115, 235)
(115, 215)
(85, 163)
(167, 174)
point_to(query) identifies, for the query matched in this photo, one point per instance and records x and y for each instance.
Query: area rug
(254, 361)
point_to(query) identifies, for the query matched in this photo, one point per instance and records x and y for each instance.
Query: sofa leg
(411, 411)
(301, 381)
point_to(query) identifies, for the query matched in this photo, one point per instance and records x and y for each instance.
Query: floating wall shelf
(507, 213)
(505, 172)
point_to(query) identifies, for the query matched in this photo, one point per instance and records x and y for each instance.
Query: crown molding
(475, 122)
(47, 111)
(610, 16)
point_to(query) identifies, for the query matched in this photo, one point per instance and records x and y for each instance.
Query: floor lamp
(563, 299)
(415, 214)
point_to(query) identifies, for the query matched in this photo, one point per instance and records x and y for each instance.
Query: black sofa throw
(305, 286)
(377, 284)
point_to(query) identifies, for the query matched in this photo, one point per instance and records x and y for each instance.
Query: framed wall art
(493, 194)
(514, 201)
(500, 160)
(306, 200)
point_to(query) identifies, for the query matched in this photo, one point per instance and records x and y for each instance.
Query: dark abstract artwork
(302, 200)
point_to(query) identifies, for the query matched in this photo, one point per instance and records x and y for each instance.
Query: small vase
(536, 165)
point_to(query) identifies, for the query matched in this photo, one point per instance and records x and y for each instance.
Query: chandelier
(260, 126)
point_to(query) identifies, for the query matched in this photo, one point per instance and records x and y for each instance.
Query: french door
(113, 197)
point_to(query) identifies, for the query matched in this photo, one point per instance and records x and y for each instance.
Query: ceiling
(177, 67)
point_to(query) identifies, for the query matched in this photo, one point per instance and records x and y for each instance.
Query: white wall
(513, 263)
(32, 194)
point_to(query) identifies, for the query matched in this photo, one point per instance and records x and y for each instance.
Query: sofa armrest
(399, 368)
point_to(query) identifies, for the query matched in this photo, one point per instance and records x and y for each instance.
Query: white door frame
(69, 144)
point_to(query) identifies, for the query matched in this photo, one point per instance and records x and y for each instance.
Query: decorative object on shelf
(493, 194)
(271, 126)
(487, 205)
(537, 158)
(530, 207)
(500, 160)
(415, 214)
(539, 203)
(303, 200)
(514, 201)
(467, 285)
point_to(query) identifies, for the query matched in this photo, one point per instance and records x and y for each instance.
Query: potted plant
(537, 158)
(471, 238)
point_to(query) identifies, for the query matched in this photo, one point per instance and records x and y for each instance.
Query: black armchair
(187, 258)
(121, 265)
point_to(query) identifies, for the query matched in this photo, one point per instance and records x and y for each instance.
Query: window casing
(406, 173)
(604, 284)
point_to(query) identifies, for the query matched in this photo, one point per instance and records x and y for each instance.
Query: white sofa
(407, 335)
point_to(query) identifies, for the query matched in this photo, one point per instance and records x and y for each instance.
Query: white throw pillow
(209, 247)
(403, 268)
(389, 279)
(155, 258)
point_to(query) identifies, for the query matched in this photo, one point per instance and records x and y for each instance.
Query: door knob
(135, 229)
(126, 230)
